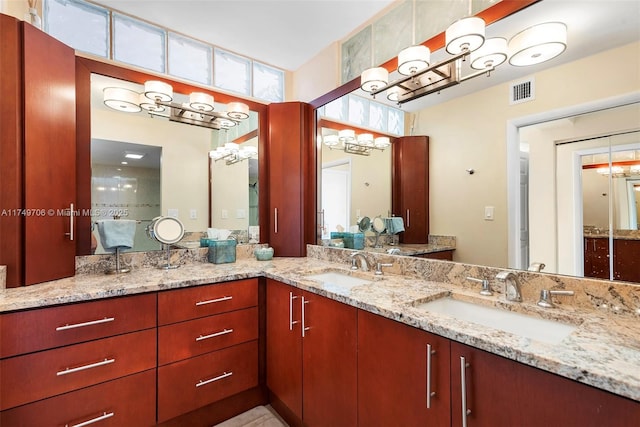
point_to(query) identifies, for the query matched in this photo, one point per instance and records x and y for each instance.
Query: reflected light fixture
(538, 44)
(233, 153)
(463, 38)
(362, 144)
(157, 97)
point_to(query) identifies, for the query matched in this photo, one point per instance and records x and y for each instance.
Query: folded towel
(394, 225)
(116, 233)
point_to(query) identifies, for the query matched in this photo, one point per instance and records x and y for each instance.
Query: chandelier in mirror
(157, 99)
(362, 144)
(464, 38)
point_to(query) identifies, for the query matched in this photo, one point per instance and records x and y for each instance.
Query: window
(268, 83)
(81, 25)
(232, 72)
(190, 59)
(137, 43)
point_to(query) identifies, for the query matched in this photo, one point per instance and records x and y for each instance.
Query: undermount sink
(337, 281)
(538, 329)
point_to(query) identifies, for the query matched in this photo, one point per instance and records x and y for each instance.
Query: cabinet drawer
(108, 405)
(37, 376)
(41, 329)
(187, 339)
(193, 383)
(191, 303)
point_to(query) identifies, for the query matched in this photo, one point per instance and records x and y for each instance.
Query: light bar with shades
(362, 144)
(463, 38)
(157, 98)
(233, 153)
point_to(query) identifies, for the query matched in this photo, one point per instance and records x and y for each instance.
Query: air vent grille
(522, 91)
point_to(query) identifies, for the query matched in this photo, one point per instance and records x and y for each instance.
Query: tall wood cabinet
(311, 357)
(292, 178)
(410, 190)
(39, 188)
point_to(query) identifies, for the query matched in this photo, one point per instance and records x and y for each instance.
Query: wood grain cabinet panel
(194, 337)
(125, 402)
(403, 374)
(200, 301)
(44, 374)
(190, 384)
(44, 328)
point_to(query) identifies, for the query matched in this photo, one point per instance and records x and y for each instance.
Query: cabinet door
(49, 157)
(501, 392)
(626, 260)
(410, 192)
(329, 362)
(284, 347)
(596, 257)
(403, 374)
(292, 179)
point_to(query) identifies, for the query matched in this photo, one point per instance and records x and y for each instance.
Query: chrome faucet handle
(379, 267)
(486, 290)
(354, 263)
(545, 297)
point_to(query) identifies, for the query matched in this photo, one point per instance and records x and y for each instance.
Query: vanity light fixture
(464, 38)
(232, 153)
(157, 98)
(362, 144)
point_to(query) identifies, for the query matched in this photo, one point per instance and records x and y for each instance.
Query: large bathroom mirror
(477, 126)
(144, 165)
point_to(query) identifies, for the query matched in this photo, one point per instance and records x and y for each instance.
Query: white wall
(470, 132)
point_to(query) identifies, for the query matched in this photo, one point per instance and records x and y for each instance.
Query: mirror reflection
(196, 185)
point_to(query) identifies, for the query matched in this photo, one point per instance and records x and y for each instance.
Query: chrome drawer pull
(211, 301)
(291, 321)
(463, 386)
(430, 393)
(104, 416)
(84, 367)
(218, 378)
(216, 334)
(80, 325)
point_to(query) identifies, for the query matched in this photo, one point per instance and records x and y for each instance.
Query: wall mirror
(161, 167)
(470, 127)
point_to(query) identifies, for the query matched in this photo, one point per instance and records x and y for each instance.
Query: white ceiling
(288, 33)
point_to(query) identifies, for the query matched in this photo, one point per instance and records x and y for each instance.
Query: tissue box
(353, 240)
(222, 251)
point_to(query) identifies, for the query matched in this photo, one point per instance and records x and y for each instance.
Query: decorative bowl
(263, 254)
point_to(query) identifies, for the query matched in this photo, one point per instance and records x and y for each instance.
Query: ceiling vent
(522, 91)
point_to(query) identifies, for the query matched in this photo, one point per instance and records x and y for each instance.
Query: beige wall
(17, 8)
(185, 159)
(470, 132)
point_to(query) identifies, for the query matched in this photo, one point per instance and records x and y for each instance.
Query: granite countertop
(604, 350)
(412, 249)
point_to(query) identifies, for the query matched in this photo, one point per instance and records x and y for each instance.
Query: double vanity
(414, 343)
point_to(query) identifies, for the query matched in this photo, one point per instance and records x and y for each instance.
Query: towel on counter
(116, 233)
(394, 225)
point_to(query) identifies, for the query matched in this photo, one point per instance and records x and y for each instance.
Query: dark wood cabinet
(292, 178)
(311, 353)
(502, 392)
(39, 188)
(626, 258)
(410, 189)
(403, 374)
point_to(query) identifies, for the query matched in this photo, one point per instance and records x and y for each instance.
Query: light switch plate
(240, 213)
(488, 213)
(172, 213)
(193, 214)
(224, 214)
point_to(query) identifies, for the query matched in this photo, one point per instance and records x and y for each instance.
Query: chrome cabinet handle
(463, 385)
(215, 334)
(85, 367)
(408, 218)
(83, 324)
(275, 214)
(430, 394)
(291, 321)
(211, 301)
(218, 378)
(70, 233)
(304, 328)
(104, 416)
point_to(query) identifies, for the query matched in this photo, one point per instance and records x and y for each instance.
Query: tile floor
(260, 416)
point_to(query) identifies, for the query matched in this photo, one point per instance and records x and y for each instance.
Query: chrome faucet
(511, 285)
(536, 266)
(364, 266)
